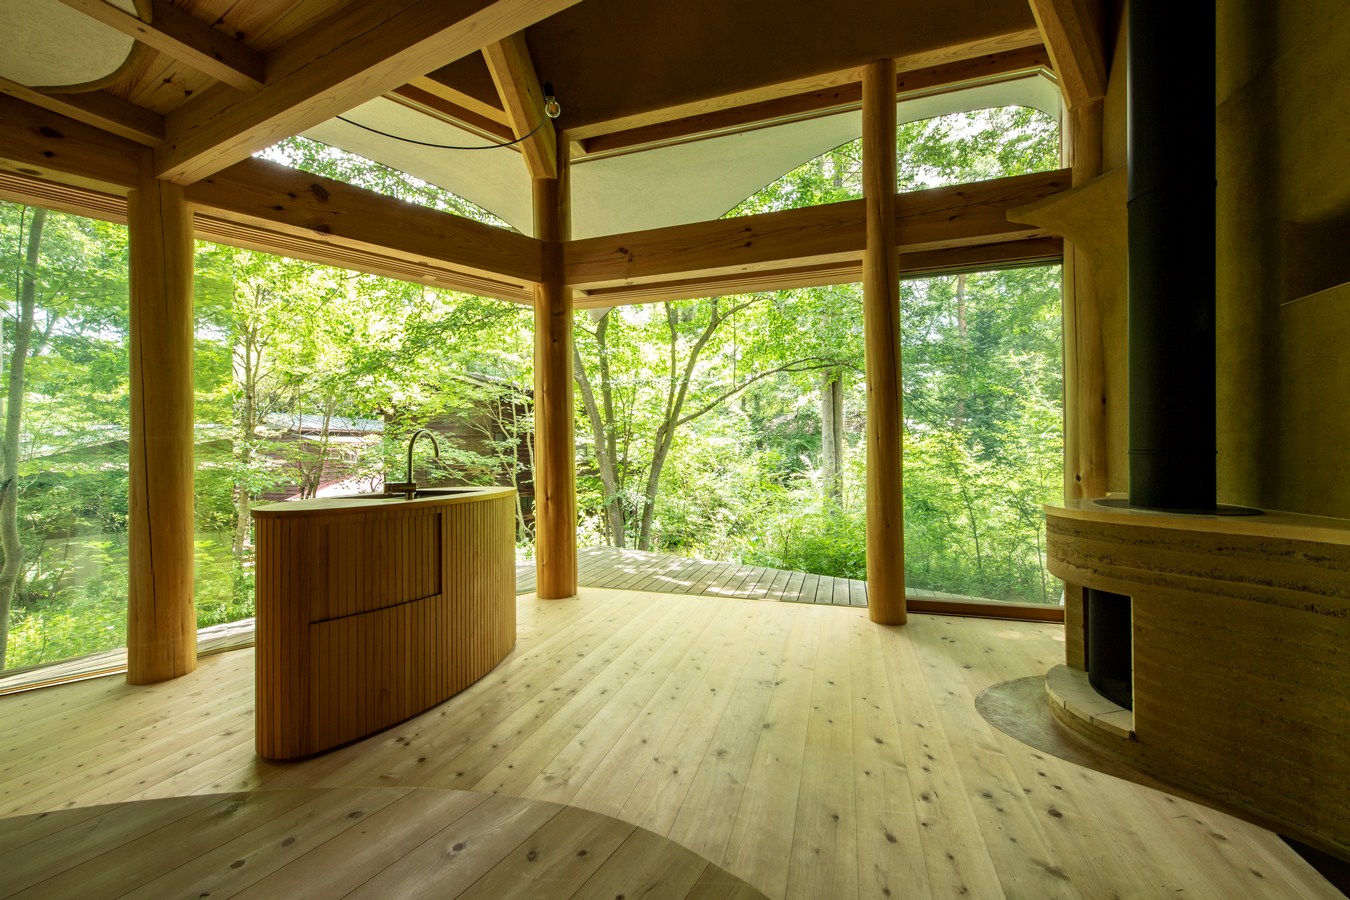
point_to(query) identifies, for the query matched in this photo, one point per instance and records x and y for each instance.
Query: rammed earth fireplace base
(1240, 631)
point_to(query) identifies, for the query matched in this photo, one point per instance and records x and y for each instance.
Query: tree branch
(799, 365)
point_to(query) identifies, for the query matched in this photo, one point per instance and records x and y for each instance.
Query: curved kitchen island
(371, 609)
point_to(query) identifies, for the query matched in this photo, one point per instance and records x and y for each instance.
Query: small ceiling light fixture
(551, 107)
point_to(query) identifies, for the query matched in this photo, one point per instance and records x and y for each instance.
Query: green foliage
(706, 438)
(826, 541)
(980, 362)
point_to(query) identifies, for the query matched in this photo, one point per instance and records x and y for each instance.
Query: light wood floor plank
(761, 837)
(610, 786)
(343, 864)
(454, 858)
(641, 868)
(824, 846)
(885, 821)
(719, 781)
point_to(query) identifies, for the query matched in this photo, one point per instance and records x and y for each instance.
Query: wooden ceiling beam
(1074, 32)
(914, 264)
(101, 110)
(20, 188)
(16, 187)
(314, 249)
(939, 218)
(437, 107)
(282, 199)
(523, 99)
(461, 99)
(45, 144)
(822, 101)
(187, 39)
(364, 51)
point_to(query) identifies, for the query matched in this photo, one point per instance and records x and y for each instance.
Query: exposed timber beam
(365, 51)
(186, 39)
(45, 144)
(509, 62)
(913, 264)
(828, 100)
(1075, 35)
(313, 247)
(963, 215)
(278, 198)
(77, 201)
(438, 107)
(104, 111)
(465, 99)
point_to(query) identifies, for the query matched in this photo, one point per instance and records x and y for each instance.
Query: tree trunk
(250, 349)
(602, 431)
(9, 466)
(832, 436)
(959, 419)
(248, 433)
(312, 465)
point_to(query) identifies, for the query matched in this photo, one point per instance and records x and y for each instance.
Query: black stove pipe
(1171, 262)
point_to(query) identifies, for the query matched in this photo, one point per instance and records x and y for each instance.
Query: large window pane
(63, 489)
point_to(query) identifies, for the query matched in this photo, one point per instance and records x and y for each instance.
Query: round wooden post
(555, 478)
(161, 618)
(881, 341)
(1085, 462)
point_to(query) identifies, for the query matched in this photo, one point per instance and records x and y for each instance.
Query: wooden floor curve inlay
(341, 842)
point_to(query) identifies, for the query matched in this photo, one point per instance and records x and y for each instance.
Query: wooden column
(162, 621)
(1074, 35)
(881, 340)
(555, 479)
(1085, 465)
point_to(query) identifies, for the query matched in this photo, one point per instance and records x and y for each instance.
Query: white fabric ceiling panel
(686, 182)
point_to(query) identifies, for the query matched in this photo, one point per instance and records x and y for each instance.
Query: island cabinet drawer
(371, 670)
(358, 566)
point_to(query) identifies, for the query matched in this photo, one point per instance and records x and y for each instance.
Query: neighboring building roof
(304, 423)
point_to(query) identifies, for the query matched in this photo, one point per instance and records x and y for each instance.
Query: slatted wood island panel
(370, 611)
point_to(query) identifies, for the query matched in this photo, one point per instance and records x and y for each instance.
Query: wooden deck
(637, 570)
(803, 749)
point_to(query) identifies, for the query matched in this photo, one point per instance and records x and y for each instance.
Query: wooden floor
(371, 843)
(639, 570)
(799, 746)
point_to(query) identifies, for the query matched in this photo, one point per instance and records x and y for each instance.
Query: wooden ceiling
(214, 81)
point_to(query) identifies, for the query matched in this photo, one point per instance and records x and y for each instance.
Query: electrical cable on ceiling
(551, 111)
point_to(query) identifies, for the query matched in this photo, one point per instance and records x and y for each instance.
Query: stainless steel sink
(419, 492)
(445, 491)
